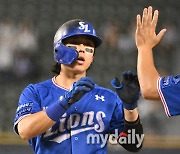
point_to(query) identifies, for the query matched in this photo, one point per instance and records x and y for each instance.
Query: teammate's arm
(146, 39)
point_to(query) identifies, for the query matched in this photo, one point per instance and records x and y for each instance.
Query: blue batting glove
(77, 90)
(128, 90)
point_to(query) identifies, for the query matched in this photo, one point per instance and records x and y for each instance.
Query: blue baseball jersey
(79, 130)
(169, 92)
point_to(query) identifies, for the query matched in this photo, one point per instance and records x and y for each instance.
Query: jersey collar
(54, 82)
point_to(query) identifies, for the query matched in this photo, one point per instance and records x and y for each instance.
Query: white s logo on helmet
(84, 27)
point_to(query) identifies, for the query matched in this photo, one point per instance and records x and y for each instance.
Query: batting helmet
(66, 55)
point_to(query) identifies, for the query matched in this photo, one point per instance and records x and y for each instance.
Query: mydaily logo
(102, 139)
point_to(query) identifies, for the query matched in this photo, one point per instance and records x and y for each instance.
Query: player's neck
(66, 80)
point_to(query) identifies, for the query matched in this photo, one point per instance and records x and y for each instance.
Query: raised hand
(128, 90)
(146, 29)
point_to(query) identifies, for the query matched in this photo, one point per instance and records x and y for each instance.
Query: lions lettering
(76, 122)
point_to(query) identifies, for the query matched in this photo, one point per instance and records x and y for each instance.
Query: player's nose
(81, 48)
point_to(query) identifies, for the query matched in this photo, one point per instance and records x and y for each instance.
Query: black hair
(56, 68)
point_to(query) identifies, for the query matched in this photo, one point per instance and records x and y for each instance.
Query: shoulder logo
(97, 97)
(176, 79)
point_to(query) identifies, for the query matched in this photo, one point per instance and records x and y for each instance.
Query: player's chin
(79, 68)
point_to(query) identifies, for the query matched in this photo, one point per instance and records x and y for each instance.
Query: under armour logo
(97, 97)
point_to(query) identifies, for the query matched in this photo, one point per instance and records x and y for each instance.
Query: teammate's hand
(128, 90)
(77, 90)
(146, 29)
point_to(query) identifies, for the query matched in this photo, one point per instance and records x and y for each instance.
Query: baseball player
(58, 115)
(154, 87)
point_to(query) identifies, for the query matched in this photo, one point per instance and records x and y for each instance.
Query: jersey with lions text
(83, 128)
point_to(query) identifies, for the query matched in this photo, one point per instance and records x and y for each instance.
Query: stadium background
(27, 28)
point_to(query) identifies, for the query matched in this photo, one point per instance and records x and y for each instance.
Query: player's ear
(92, 59)
(93, 56)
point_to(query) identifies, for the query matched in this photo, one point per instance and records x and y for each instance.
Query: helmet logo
(84, 27)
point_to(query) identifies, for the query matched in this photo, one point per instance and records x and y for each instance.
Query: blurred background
(27, 29)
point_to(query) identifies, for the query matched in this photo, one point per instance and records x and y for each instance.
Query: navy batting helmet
(66, 55)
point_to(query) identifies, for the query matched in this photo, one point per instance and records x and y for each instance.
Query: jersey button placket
(75, 108)
(76, 138)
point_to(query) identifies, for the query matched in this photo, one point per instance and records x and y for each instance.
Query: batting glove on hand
(128, 90)
(77, 90)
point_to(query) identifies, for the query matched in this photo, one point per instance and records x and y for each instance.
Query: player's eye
(90, 50)
(73, 47)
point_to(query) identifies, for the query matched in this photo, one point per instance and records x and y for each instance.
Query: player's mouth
(80, 60)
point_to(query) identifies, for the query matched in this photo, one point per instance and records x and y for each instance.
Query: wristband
(129, 106)
(55, 111)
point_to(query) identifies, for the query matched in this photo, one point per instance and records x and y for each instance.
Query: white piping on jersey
(162, 98)
(54, 82)
(64, 137)
(20, 118)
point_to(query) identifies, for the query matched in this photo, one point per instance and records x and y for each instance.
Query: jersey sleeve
(28, 103)
(117, 121)
(169, 92)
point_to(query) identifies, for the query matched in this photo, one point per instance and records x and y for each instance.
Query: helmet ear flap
(64, 54)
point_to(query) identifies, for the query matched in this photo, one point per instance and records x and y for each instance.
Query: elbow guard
(132, 136)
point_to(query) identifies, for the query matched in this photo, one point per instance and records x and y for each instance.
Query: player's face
(85, 47)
